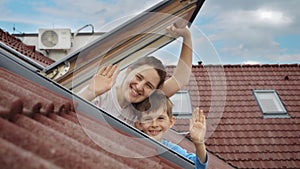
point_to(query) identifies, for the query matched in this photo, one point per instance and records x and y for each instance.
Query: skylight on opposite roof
(182, 104)
(270, 104)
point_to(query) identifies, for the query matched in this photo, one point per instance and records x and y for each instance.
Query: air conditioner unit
(54, 39)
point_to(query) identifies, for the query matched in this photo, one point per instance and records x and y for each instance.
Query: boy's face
(155, 124)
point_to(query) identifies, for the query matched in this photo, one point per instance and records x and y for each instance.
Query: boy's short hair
(154, 102)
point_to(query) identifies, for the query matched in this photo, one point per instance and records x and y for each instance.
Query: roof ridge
(249, 144)
(265, 123)
(245, 65)
(246, 130)
(12, 42)
(224, 137)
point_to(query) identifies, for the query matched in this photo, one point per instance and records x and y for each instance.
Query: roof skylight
(270, 103)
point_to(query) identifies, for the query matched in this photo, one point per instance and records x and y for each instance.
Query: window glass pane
(269, 102)
(181, 103)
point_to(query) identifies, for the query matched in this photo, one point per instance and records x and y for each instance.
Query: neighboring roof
(243, 138)
(8, 41)
(40, 129)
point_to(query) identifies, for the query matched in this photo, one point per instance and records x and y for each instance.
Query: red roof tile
(28, 51)
(16, 157)
(32, 137)
(242, 137)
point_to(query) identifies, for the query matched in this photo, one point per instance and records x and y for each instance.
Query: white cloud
(249, 28)
(251, 62)
(272, 17)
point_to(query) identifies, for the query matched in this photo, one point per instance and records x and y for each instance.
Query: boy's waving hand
(197, 133)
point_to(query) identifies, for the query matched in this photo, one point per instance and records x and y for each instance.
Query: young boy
(154, 118)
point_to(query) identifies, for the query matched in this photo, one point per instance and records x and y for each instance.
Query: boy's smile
(154, 132)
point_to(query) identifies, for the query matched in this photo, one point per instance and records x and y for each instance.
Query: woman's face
(140, 83)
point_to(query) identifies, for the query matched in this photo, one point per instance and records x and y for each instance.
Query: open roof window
(182, 105)
(270, 104)
(138, 37)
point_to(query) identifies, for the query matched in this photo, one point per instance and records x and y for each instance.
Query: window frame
(276, 99)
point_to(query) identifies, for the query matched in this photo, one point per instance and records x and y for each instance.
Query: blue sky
(226, 32)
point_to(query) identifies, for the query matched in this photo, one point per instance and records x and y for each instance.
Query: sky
(224, 32)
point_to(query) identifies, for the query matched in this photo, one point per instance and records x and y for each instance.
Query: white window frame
(279, 109)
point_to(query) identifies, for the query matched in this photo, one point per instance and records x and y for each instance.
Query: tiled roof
(238, 133)
(40, 129)
(29, 51)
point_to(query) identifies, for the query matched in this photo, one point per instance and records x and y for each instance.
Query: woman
(141, 79)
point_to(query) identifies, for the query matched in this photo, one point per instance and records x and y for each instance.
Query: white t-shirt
(109, 102)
